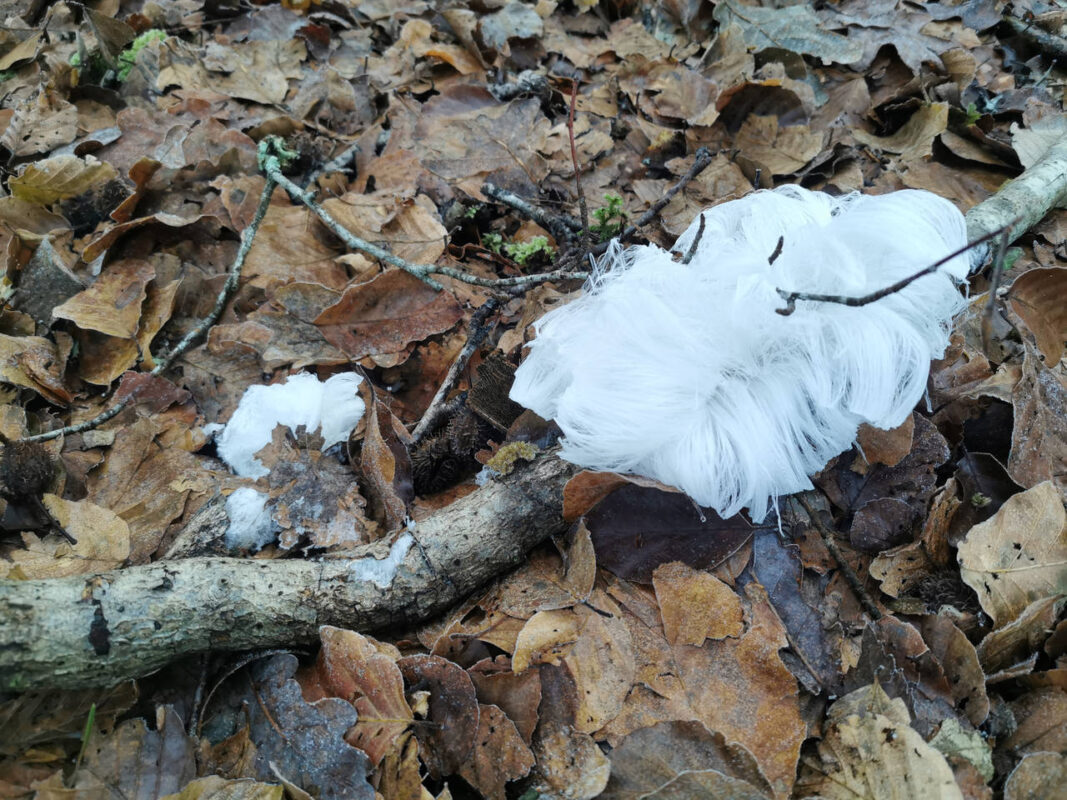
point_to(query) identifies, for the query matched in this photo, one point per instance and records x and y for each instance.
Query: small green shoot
(87, 733)
(524, 252)
(609, 219)
(973, 114)
(472, 211)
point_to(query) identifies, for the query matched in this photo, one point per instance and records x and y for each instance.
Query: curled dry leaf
(103, 542)
(214, 787)
(1019, 555)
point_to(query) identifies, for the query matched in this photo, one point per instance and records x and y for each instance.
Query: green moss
(129, 55)
(523, 252)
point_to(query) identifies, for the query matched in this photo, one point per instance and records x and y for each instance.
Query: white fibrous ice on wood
(686, 373)
(334, 406)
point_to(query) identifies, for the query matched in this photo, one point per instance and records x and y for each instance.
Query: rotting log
(97, 630)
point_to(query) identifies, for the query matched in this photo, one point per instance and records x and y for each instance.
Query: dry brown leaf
(518, 696)
(1037, 297)
(1014, 642)
(601, 663)
(350, 667)
(386, 465)
(385, 314)
(255, 70)
(112, 305)
(214, 787)
(545, 638)
(695, 605)
(33, 362)
(886, 447)
(1037, 776)
(499, 754)
(103, 542)
(684, 759)
(1019, 555)
(1039, 436)
(781, 150)
(453, 711)
(1042, 718)
(58, 178)
(44, 123)
(870, 755)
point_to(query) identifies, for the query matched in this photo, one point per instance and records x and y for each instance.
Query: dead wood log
(97, 630)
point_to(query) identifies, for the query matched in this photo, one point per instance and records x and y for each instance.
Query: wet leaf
(636, 529)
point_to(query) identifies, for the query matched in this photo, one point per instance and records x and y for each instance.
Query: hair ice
(686, 373)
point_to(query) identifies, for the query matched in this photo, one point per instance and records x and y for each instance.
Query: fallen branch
(1024, 202)
(97, 630)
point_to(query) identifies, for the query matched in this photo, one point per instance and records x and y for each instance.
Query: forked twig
(792, 297)
(582, 207)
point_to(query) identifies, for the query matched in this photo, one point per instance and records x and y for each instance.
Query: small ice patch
(334, 406)
(381, 572)
(251, 526)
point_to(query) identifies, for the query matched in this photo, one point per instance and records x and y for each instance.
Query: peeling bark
(97, 630)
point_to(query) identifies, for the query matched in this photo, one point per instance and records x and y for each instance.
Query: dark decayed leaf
(449, 736)
(636, 529)
(301, 741)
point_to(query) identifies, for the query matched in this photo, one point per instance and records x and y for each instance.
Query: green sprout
(973, 114)
(472, 211)
(129, 55)
(523, 252)
(609, 219)
(493, 241)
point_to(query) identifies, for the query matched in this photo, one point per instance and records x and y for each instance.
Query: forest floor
(902, 636)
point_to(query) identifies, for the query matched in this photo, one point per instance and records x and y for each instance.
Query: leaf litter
(658, 650)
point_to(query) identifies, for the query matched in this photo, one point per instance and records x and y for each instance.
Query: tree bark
(97, 630)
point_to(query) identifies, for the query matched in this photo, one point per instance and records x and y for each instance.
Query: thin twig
(420, 271)
(561, 226)
(1049, 44)
(187, 341)
(849, 574)
(703, 159)
(777, 251)
(339, 163)
(583, 209)
(792, 297)
(994, 284)
(476, 332)
(696, 241)
(423, 272)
